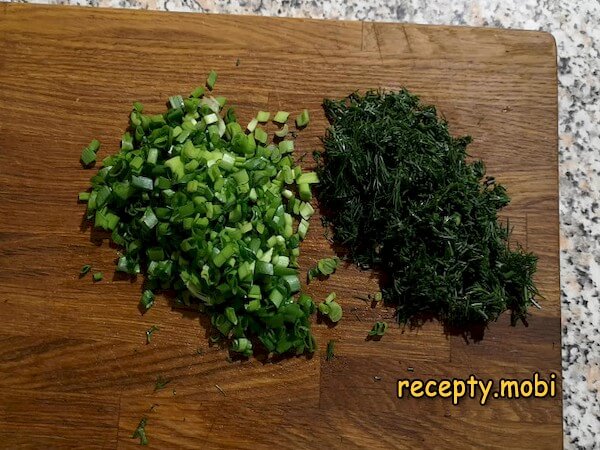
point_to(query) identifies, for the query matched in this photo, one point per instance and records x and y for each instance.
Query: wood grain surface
(75, 371)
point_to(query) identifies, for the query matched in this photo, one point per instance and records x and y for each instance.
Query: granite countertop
(574, 26)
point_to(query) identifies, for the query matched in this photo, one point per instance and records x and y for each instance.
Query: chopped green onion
(263, 116)
(84, 196)
(242, 345)
(211, 80)
(176, 101)
(147, 300)
(260, 135)
(308, 178)
(198, 92)
(88, 154)
(98, 276)
(85, 270)
(252, 125)
(283, 131)
(286, 146)
(140, 432)
(303, 119)
(149, 333)
(378, 329)
(209, 212)
(281, 117)
(330, 350)
(331, 308)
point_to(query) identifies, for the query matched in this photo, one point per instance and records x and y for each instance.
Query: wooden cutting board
(75, 370)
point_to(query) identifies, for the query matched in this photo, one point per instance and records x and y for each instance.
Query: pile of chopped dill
(403, 198)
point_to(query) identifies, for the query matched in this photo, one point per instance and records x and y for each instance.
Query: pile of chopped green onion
(214, 213)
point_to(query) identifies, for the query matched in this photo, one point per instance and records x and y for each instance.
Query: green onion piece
(143, 183)
(88, 156)
(286, 146)
(84, 196)
(305, 192)
(378, 329)
(283, 131)
(176, 101)
(252, 125)
(211, 80)
(198, 92)
(330, 350)
(98, 276)
(260, 135)
(140, 432)
(242, 345)
(94, 145)
(147, 300)
(303, 119)
(281, 117)
(263, 116)
(149, 333)
(84, 270)
(308, 178)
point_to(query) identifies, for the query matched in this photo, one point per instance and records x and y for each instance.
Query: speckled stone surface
(576, 28)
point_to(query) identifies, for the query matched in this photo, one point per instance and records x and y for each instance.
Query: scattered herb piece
(331, 308)
(324, 267)
(402, 197)
(263, 116)
(303, 119)
(83, 196)
(281, 117)
(85, 269)
(330, 350)
(211, 80)
(237, 62)
(98, 276)
(149, 333)
(147, 300)
(140, 432)
(161, 383)
(378, 329)
(283, 131)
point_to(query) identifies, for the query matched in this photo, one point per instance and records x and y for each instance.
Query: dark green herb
(85, 270)
(161, 383)
(403, 198)
(140, 432)
(149, 333)
(378, 329)
(214, 214)
(330, 350)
